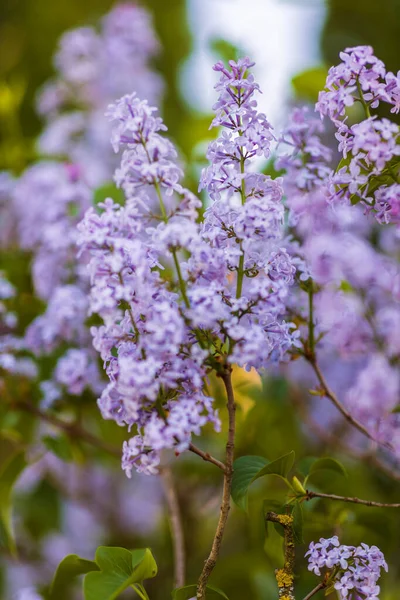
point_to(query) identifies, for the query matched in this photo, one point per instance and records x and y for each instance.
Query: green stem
(239, 284)
(365, 105)
(182, 284)
(240, 276)
(139, 589)
(161, 201)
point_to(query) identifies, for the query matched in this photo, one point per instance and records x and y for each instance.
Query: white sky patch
(281, 37)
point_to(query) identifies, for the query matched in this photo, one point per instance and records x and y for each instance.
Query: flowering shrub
(289, 267)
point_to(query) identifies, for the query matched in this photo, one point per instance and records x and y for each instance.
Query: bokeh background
(73, 499)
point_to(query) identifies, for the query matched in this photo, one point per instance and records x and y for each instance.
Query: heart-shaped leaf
(325, 464)
(245, 469)
(70, 567)
(248, 469)
(120, 568)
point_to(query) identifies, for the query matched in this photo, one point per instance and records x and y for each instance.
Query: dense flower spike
(158, 339)
(245, 220)
(93, 68)
(354, 570)
(370, 168)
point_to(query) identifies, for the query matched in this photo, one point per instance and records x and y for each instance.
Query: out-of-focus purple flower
(93, 68)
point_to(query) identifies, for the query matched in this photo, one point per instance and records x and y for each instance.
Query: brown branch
(310, 495)
(73, 430)
(176, 527)
(328, 393)
(226, 494)
(319, 587)
(332, 440)
(207, 457)
(285, 576)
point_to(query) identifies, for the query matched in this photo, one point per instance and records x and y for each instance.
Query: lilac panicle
(371, 148)
(158, 337)
(355, 570)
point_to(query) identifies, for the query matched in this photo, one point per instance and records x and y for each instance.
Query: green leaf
(8, 476)
(308, 84)
(189, 591)
(60, 446)
(120, 568)
(298, 523)
(325, 464)
(70, 567)
(281, 466)
(245, 469)
(248, 469)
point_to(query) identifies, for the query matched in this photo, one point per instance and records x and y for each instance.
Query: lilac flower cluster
(355, 570)
(94, 67)
(356, 311)
(230, 274)
(370, 168)
(245, 220)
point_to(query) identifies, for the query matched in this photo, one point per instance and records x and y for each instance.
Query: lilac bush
(153, 302)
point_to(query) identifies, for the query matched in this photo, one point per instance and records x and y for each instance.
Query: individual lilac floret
(354, 570)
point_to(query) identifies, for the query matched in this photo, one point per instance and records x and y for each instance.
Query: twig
(310, 495)
(71, 429)
(207, 457)
(74, 430)
(226, 494)
(328, 393)
(175, 523)
(332, 440)
(318, 588)
(285, 576)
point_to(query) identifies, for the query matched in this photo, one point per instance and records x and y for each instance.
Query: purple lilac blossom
(356, 310)
(158, 341)
(369, 171)
(49, 200)
(94, 67)
(355, 570)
